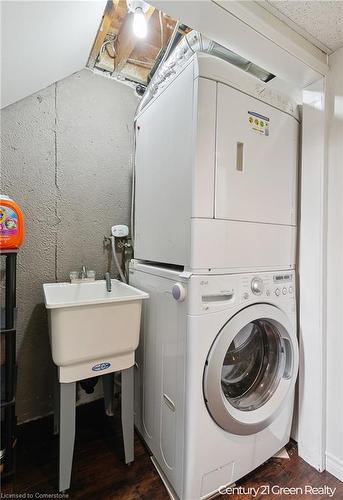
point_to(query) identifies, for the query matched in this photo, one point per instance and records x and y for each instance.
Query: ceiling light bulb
(139, 23)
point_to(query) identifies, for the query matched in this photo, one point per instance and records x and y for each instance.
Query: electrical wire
(111, 41)
(110, 55)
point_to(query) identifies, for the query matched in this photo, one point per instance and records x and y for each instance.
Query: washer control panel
(224, 291)
(268, 285)
(284, 282)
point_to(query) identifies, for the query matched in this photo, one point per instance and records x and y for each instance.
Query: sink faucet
(108, 282)
(83, 273)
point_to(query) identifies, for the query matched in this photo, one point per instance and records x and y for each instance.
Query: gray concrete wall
(66, 159)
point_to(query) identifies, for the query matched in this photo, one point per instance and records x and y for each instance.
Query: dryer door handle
(240, 157)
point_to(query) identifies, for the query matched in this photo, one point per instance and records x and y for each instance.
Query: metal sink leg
(127, 416)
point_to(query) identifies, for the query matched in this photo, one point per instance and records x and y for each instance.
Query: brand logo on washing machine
(101, 366)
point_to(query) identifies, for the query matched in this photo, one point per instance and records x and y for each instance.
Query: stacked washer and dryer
(215, 242)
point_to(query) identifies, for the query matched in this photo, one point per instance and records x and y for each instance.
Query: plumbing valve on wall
(121, 242)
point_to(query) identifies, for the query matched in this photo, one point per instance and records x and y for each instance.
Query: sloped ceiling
(320, 22)
(43, 42)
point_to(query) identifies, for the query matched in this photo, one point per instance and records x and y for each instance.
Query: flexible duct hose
(192, 43)
(113, 245)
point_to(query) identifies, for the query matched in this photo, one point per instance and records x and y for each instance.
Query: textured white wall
(334, 438)
(66, 159)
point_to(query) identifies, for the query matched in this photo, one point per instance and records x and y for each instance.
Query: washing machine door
(250, 369)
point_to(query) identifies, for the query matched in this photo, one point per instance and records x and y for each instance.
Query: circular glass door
(250, 369)
(252, 366)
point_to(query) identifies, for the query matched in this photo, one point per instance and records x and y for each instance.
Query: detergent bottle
(11, 224)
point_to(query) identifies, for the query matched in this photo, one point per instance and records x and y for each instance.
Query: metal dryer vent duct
(198, 43)
(194, 42)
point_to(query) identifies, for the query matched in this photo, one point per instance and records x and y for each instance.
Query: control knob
(257, 286)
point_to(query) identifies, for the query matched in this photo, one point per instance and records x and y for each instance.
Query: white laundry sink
(92, 331)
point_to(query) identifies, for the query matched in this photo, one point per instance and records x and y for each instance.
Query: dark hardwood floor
(99, 471)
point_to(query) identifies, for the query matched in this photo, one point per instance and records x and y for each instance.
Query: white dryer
(216, 172)
(216, 370)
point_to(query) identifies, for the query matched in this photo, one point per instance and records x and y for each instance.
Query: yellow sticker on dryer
(258, 123)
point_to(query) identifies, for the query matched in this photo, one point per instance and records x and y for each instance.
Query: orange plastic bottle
(11, 224)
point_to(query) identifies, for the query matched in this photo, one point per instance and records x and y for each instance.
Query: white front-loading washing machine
(216, 370)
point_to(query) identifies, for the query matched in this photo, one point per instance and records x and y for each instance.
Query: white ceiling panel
(320, 22)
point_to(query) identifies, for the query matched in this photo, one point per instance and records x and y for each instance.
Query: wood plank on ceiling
(108, 18)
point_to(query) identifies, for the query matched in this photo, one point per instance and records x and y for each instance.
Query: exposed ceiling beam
(106, 22)
(126, 41)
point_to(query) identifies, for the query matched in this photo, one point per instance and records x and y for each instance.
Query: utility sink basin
(92, 331)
